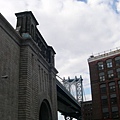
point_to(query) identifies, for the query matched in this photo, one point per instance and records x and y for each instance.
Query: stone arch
(45, 111)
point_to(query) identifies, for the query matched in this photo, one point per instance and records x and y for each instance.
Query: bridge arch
(45, 111)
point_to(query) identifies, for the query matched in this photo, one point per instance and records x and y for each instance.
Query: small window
(105, 113)
(110, 74)
(114, 109)
(105, 110)
(103, 88)
(109, 63)
(100, 66)
(118, 72)
(113, 99)
(112, 87)
(117, 61)
(115, 113)
(104, 100)
(119, 84)
(102, 76)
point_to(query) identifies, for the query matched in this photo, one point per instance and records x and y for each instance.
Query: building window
(109, 63)
(105, 113)
(115, 113)
(103, 88)
(117, 61)
(112, 86)
(104, 100)
(110, 74)
(113, 99)
(118, 72)
(119, 84)
(102, 76)
(100, 66)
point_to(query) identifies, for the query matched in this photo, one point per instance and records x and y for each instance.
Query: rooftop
(104, 54)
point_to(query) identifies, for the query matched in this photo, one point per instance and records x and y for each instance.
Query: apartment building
(105, 85)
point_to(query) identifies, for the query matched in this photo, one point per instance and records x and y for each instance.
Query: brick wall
(9, 71)
(27, 76)
(37, 82)
(95, 91)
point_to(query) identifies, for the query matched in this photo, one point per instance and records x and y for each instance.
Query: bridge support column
(68, 118)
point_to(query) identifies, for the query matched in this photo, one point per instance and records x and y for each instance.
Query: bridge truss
(75, 87)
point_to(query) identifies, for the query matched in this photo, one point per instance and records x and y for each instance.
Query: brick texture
(27, 74)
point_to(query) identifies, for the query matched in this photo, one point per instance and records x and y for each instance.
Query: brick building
(105, 85)
(27, 72)
(87, 110)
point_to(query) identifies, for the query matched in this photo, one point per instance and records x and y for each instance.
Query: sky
(76, 29)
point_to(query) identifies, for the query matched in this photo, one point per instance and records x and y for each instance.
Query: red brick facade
(105, 85)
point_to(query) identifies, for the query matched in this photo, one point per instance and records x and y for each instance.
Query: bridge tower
(75, 87)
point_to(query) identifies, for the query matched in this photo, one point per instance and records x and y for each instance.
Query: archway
(45, 111)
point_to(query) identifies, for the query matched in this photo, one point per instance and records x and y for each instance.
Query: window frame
(102, 76)
(112, 87)
(113, 99)
(114, 111)
(104, 100)
(100, 66)
(117, 61)
(105, 112)
(119, 84)
(110, 74)
(103, 89)
(118, 72)
(109, 63)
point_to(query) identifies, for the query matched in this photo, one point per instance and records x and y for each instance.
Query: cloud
(118, 7)
(74, 28)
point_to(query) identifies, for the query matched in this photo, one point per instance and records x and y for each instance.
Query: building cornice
(104, 55)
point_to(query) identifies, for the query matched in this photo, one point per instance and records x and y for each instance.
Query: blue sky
(75, 28)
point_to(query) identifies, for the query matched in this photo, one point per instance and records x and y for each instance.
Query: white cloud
(75, 29)
(118, 6)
